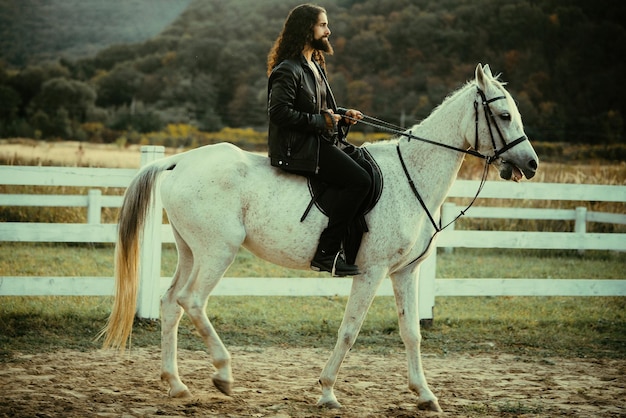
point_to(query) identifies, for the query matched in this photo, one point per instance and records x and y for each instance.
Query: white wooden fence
(155, 234)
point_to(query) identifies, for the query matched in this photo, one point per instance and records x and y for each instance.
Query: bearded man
(303, 121)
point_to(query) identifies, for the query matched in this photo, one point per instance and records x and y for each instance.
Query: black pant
(349, 184)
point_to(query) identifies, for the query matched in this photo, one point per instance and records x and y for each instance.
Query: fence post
(148, 303)
(94, 206)
(580, 224)
(426, 289)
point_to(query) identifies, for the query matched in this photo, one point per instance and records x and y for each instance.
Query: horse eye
(505, 116)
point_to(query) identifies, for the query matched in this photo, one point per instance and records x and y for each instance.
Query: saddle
(324, 202)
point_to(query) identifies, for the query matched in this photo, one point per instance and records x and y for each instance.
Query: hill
(32, 31)
(395, 59)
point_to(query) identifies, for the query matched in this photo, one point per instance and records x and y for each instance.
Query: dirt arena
(272, 382)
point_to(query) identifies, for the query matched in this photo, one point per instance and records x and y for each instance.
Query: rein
(388, 127)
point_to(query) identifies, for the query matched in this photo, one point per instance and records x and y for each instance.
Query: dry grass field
(68, 153)
(71, 153)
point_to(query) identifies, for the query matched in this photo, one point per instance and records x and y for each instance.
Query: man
(303, 124)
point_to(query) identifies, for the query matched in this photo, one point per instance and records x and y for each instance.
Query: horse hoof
(184, 393)
(332, 404)
(223, 386)
(429, 406)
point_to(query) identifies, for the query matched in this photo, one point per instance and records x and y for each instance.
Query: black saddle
(324, 201)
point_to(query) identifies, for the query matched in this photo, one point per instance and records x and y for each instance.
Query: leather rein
(491, 124)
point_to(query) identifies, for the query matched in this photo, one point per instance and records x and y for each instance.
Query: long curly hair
(297, 32)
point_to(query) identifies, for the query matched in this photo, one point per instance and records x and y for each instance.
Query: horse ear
(487, 70)
(480, 76)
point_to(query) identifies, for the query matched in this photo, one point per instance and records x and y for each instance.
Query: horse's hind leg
(171, 312)
(210, 263)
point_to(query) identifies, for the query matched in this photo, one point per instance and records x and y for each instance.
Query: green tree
(74, 97)
(28, 82)
(203, 95)
(9, 103)
(110, 57)
(118, 87)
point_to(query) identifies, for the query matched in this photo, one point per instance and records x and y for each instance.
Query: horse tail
(131, 220)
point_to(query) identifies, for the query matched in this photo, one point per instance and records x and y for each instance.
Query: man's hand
(352, 116)
(331, 119)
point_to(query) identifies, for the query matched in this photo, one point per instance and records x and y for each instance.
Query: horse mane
(471, 83)
(448, 98)
(451, 96)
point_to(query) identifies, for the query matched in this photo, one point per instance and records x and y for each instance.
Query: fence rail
(430, 286)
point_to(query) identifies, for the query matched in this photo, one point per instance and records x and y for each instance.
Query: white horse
(219, 198)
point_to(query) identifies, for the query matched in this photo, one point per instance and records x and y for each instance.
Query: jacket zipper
(317, 159)
(289, 144)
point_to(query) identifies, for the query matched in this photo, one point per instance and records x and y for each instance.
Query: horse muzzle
(511, 171)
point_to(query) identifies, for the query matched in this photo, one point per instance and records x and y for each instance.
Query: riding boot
(334, 263)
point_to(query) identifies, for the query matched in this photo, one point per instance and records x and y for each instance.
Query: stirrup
(336, 265)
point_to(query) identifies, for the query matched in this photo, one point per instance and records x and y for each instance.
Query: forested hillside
(32, 31)
(394, 59)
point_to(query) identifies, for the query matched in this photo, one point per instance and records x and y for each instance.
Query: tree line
(394, 59)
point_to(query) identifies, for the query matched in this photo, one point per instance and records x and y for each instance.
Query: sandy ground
(275, 382)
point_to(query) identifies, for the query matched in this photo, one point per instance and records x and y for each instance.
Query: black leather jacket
(296, 124)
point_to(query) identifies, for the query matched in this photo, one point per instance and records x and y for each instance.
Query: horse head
(499, 132)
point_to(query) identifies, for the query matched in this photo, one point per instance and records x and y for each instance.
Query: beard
(322, 44)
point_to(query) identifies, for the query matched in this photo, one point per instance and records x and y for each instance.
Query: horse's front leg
(406, 293)
(361, 296)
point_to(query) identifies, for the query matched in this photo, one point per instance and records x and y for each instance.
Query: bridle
(489, 116)
(492, 125)
(490, 119)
